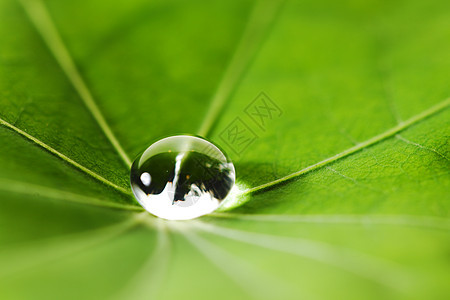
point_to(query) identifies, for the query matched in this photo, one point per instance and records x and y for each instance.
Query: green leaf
(343, 193)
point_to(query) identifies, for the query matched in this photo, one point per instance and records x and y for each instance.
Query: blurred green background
(358, 97)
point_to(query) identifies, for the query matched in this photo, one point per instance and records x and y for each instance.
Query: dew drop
(182, 177)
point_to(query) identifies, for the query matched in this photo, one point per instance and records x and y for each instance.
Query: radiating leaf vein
(62, 156)
(149, 279)
(40, 17)
(396, 220)
(254, 282)
(262, 17)
(376, 139)
(38, 253)
(33, 190)
(376, 269)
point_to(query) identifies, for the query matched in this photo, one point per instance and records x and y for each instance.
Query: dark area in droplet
(161, 169)
(207, 173)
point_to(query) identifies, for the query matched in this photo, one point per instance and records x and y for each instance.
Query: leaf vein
(397, 220)
(262, 17)
(62, 156)
(358, 263)
(32, 189)
(40, 17)
(398, 136)
(254, 282)
(150, 277)
(372, 141)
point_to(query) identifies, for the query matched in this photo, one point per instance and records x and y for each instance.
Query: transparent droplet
(181, 177)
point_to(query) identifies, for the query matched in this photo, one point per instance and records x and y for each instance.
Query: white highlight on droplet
(146, 179)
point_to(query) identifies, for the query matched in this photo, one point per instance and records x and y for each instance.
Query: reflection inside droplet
(182, 177)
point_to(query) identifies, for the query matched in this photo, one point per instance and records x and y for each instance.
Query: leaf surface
(343, 191)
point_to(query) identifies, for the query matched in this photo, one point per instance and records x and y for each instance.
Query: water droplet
(182, 177)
